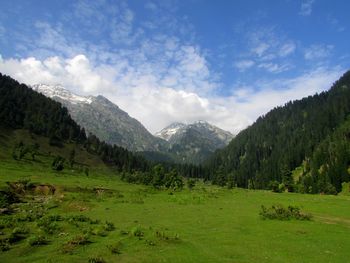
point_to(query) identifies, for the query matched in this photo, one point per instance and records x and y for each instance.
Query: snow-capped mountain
(103, 118)
(177, 128)
(170, 130)
(194, 142)
(57, 91)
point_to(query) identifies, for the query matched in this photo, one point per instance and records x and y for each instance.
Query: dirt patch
(332, 220)
(44, 189)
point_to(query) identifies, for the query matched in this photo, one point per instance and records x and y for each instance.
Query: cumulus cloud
(156, 105)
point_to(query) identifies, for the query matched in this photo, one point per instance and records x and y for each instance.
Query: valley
(205, 224)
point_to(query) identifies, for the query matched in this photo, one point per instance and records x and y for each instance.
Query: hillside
(287, 138)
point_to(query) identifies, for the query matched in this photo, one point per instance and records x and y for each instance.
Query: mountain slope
(103, 118)
(195, 142)
(284, 139)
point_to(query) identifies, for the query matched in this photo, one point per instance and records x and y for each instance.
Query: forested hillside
(309, 134)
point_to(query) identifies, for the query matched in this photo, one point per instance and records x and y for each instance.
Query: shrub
(96, 260)
(7, 197)
(79, 218)
(58, 163)
(6, 223)
(108, 226)
(191, 183)
(99, 231)
(137, 232)
(166, 236)
(78, 240)
(4, 245)
(274, 186)
(115, 248)
(37, 240)
(17, 234)
(48, 225)
(281, 213)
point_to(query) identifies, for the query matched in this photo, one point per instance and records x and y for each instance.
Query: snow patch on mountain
(178, 128)
(57, 91)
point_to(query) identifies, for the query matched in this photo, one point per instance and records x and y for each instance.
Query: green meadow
(69, 216)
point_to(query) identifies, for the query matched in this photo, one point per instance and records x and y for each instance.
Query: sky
(225, 62)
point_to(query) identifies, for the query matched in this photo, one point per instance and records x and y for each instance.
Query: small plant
(4, 245)
(108, 226)
(124, 232)
(96, 260)
(191, 183)
(78, 240)
(137, 232)
(55, 218)
(37, 240)
(167, 237)
(6, 223)
(79, 218)
(99, 231)
(17, 234)
(116, 248)
(281, 213)
(58, 163)
(48, 225)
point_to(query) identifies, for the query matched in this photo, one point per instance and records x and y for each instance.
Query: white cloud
(276, 93)
(306, 7)
(260, 49)
(320, 51)
(243, 65)
(144, 96)
(267, 48)
(334, 22)
(287, 49)
(274, 67)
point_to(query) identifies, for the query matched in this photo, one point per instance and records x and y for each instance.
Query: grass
(99, 218)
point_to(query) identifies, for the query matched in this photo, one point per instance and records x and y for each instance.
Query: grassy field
(99, 218)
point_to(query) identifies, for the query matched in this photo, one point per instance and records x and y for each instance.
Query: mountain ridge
(106, 120)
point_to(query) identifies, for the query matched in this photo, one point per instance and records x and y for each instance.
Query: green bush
(7, 197)
(4, 245)
(48, 225)
(79, 218)
(37, 240)
(17, 234)
(115, 248)
(137, 232)
(162, 235)
(108, 226)
(58, 163)
(96, 260)
(281, 213)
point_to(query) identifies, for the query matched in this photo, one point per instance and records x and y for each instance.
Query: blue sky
(226, 62)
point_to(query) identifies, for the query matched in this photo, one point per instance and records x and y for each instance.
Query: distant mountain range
(194, 142)
(189, 143)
